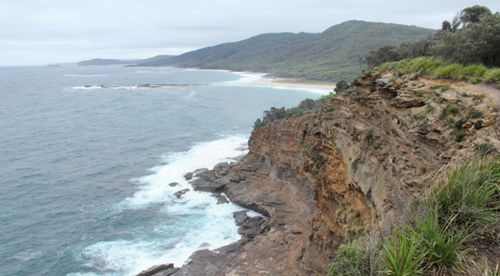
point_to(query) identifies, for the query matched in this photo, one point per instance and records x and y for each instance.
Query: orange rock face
(351, 167)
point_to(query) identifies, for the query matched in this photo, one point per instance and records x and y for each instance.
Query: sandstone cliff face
(354, 165)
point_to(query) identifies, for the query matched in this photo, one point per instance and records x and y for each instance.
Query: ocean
(87, 154)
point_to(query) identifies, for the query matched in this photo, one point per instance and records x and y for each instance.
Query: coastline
(265, 80)
(295, 83)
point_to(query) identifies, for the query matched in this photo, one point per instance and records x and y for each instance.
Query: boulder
(159, 270)
(221, 169)
(198, 171)
(407, 100)
(173, 184)
(252, 227)
(221, 199)
(207, 181)
(180, 193)
(188, 176)
(240, 217)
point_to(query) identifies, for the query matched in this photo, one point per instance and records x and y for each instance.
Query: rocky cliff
(348, 164)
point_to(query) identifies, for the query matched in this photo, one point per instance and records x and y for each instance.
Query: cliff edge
(341, 166)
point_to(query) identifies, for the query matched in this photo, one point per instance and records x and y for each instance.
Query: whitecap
(199, 221)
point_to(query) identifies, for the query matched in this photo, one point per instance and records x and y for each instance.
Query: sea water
(87, 154)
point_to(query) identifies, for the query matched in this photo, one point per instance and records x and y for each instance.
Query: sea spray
(195, 221)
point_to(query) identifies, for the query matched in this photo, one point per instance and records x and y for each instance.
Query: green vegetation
(442, 234)
(459, 135)
(308, 105)
(472, 38)
(478, 124)
(332, 55)
(369, 136)
(449, 109)
(438, 239)
(341, 86)
(402, 255)
(352, 259)
(439, 68)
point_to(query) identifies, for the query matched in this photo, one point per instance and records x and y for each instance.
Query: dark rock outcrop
(180, 193)
(188, 176)
(159, 270)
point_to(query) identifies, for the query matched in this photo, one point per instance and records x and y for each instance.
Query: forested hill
(330, 56)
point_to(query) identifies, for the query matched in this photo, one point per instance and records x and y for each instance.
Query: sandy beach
(294, 83)
(262, 79)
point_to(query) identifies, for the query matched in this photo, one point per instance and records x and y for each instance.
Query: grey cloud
(45, 31)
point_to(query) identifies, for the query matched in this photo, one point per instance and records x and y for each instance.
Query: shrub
(474, 114)
(449, 109)
(484, 149)
(341, 86)
(492, 75)
(474, 71)
(444, 247)
(471, 196)
(460, 135)
(478, 124)
(403, 256)
(352, 259)
(459, 123)
(429, 109)
(451, 71)
(369, 137)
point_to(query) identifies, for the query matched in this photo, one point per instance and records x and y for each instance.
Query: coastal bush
(474, 71)
(478, 124)
(463, 41)
(450, 71)
(402, 254)
(444, 247)
(437, 240)
(472, 195)
(341, 86)
(307, 105)
(492, 75)
(460, 135)
(439, 68)
(350, 260)
(449, 109)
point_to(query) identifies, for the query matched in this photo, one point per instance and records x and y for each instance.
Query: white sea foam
(211, 225)
(129, 86)
(257, 80)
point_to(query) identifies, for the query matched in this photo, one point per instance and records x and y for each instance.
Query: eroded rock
(159, 270)
(180, 193)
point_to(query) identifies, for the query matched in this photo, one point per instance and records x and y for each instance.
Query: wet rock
(188, 176)
(173, 184)
(221, 169)
(180, 193)
(159, 270)
(221, 199)
(240, 217)
(198, 171)
(207, 181)
(252, 227)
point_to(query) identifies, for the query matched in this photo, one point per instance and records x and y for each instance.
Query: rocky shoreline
(342, 167)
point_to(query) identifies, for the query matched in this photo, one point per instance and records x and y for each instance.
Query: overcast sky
(49, 31)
